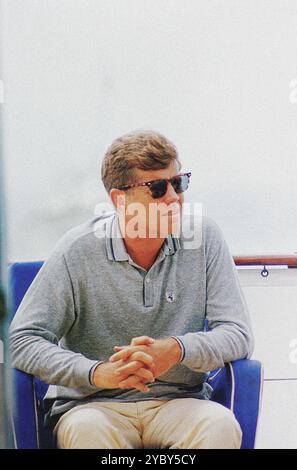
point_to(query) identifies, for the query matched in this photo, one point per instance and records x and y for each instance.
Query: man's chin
(171, 228)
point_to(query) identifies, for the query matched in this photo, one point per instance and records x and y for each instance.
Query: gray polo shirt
(90, 296)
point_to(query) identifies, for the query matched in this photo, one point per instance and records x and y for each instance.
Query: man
(115, 319)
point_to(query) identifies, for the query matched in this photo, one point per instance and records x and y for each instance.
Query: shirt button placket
(148, 292)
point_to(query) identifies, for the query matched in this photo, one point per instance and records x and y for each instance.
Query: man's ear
(117, 198)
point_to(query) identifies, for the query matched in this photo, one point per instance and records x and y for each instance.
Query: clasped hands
(139, 363)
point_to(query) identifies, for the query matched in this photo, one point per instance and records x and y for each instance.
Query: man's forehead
(147, 175)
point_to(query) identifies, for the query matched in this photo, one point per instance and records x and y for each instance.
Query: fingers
(132, 368)
(140, 340)
(134, 362)
(133, 382)
(147, 359)
(124, 353)
(145, 374)
(142, 387)
(124, 371)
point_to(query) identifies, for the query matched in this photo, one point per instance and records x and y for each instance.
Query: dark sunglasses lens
(180, 183)
(158, 188)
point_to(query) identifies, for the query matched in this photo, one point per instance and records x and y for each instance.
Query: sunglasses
(158, 188)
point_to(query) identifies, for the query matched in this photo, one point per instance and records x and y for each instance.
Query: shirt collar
(115, 247)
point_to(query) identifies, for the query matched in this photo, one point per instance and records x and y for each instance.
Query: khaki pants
(182, 423)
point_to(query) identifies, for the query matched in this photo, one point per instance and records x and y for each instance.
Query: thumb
(142, 340)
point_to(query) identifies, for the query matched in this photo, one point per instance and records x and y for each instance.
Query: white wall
(272, 303)
(215, 77)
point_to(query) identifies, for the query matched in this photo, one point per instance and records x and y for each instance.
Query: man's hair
(142, 149)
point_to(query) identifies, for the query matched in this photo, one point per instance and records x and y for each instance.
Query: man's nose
(170, 195)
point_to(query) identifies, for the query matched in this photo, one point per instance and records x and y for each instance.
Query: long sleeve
(230, 335)
(45, 315)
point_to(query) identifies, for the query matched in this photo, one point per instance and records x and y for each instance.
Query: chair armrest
(248, 379)
(238, 386)
(24, 411)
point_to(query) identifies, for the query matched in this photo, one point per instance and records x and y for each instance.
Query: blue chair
(237, 386)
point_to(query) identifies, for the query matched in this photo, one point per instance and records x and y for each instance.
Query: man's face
(149, 217)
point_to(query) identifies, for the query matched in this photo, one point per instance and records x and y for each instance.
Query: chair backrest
(21, 276)
(28, 414)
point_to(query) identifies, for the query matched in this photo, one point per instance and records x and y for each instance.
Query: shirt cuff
(91, 372)
(182, 348)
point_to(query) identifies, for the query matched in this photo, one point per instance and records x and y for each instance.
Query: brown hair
(143, 149)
